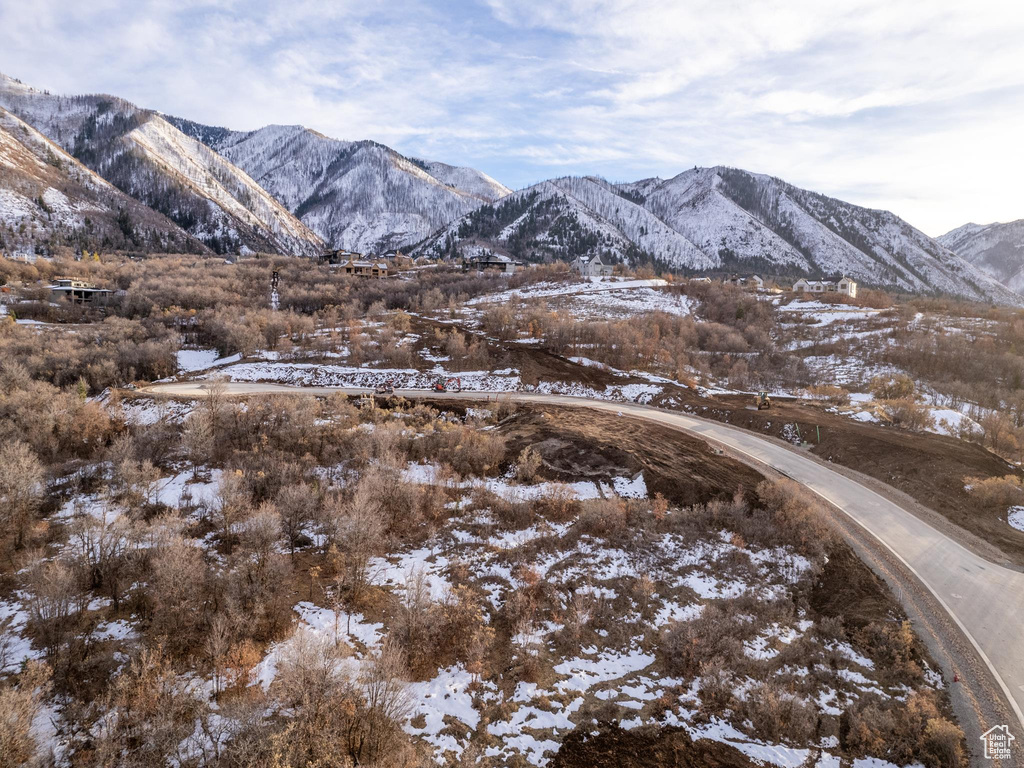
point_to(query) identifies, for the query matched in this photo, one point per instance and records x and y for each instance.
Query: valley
(508, 568)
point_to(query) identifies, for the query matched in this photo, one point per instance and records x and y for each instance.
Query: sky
(909, 105)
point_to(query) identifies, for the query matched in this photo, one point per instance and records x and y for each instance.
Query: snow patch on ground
(1015, 517)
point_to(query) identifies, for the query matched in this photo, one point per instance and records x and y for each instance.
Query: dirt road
(985, 600)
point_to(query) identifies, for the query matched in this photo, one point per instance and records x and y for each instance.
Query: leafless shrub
(355, 529)
(21, 490)
(55, 604)
(148, 713)
(298, 505)
(107, 549)
(603, 518)
(417, 618)
(996, 492)
(689, 644)
(527, 464)
(894, 387)
(177, 594)
(779, 715)
(908, 414)
(830, 394)
(21, 703)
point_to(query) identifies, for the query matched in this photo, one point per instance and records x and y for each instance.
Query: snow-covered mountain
(149, 159)
(289, 189)
(48, 199)
(563, 218)
(997, 249)
(717, 219)
(359, 195)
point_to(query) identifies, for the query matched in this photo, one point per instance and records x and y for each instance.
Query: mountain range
(358, 195)
(97, 170)
(996, 249)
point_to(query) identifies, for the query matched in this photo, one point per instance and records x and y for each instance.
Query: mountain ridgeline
(996, 249)
(123, 177)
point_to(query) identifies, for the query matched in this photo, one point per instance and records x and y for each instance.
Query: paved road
(984, 599)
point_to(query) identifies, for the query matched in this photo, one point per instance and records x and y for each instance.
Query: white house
(591, 266)
(847, 286)
(804, 285)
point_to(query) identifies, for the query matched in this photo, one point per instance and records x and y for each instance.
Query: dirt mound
(575, 443)
(646, 747)
(847, 588)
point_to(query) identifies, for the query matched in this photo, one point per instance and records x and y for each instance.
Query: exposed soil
(576, 443)
(644, 748)
(848, 589)
(929, 468)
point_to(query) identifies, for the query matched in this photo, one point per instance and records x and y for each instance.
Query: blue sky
(917, 107)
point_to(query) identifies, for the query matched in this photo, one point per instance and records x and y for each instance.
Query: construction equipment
(387, 388)
(444, 385)
(763, 401)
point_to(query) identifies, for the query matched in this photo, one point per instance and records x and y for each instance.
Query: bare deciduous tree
(21, 489)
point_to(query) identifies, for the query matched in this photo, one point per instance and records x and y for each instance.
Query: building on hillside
(362, 268)
(749, 283)
(591, 266)
(338, 257)
(845, 286)
(398, 260)
(490, 261)
(79, 291)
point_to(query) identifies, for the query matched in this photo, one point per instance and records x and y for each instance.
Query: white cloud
(914, 107)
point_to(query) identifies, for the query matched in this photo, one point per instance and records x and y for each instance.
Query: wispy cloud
(917, 107)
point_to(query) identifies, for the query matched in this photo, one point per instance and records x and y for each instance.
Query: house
(79, 291)
(591, 266)
(491, 261)
(845, 286)
(399, 260)
(362, 268)
(848, 286)
(752, 283)
(813, 286)
(338, 257)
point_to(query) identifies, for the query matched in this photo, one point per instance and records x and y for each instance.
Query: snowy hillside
(717, 219)
(565, 217)
(147, 158)
(996, 249)
(468, 180)
(358, 195)
(49, 199)
(693, 204)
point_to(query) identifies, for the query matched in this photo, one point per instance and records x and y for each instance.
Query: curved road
(984, 599)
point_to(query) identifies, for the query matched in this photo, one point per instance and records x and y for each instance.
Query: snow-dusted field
(502, 380)
(599, 297)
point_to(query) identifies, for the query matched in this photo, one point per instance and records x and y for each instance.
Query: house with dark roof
(591, 266)
(490, 261)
